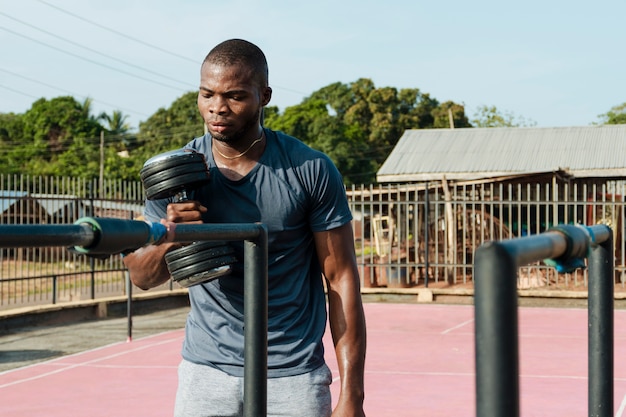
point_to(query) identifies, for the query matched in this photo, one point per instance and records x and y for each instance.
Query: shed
(489, 153)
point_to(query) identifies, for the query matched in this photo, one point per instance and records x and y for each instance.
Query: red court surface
(420, 363)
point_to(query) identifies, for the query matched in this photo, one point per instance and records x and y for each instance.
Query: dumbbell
(175, 174)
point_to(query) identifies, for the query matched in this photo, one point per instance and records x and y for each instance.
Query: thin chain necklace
(241, 154)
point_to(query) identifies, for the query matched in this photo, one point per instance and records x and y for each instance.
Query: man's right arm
(147, 265)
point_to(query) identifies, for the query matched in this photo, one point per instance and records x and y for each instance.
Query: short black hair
(240, 52)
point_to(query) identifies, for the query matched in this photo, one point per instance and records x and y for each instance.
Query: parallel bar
(534, 248)
(497, 374)
(222, 231)
(255, 318)
(495, 284)
(40, 235)
(601, 331)
(255, 281)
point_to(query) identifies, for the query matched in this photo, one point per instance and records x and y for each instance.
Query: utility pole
(101, 181)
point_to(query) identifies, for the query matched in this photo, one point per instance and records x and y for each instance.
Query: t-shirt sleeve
(330, 207)
(155, 210)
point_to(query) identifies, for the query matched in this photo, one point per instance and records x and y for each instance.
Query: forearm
(347, 322)
(147, 267)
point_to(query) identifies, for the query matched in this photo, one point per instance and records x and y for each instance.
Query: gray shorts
(207, 392)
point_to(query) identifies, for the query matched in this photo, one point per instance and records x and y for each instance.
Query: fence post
(129, 306)
(54, 289)
(601, 332)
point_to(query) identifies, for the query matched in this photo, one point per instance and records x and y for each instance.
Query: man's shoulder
(200, 144)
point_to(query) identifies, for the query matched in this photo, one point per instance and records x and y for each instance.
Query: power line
(91, 22)
(18, 92)
(67, 92)
(96, 51)
(90, 60)
(124, 35)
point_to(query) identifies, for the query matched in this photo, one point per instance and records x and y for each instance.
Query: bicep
(335, 251)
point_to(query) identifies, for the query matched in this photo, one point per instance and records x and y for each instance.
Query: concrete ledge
(466, 296)
(75, 311)
(147, 302)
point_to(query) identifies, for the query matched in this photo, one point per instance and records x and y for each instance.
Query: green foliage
(173, 127)
(490, 116)
(615, 116)
(357, 124)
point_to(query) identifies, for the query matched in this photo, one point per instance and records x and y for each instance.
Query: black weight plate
(184, 261)
(171, 159)
(173, 185)
(204, 276)
(201, 267)
(172, 172)
(192, 249)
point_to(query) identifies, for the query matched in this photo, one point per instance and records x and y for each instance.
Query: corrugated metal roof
(477, 153)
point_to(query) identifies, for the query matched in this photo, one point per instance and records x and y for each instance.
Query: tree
(11, 142)
(358, 124)
(615, 116)
(49, 129)
(447, 110)
(490, 116)
(116, 122)
(170, 128)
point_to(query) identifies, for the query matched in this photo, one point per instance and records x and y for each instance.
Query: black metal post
(129, 306)
(92, 267)
(255, 303)
(255, 319)
(54, 289)
(426, 220)
(495, 299)
(497, 358)
(601, 331)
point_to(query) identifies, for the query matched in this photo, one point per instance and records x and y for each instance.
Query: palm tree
(116, 122)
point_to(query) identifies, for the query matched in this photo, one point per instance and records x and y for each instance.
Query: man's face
(230, 101)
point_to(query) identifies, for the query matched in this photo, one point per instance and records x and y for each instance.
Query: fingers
(185, 212)
(171, 231)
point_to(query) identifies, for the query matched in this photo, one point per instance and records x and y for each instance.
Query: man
(258, 175)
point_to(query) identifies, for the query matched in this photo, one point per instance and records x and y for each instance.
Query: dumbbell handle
(181, 196)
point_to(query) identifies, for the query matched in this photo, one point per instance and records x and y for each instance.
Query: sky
(551, 63)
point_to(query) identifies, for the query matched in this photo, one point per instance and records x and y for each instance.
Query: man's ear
(266, 96)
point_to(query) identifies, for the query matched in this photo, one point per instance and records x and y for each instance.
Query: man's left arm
(336, 253)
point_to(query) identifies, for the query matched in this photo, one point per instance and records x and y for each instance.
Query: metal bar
(40, 235)
(535, 248)
(496, 327)
(426, 237)
(255, 319)
(601, 331)
(129, 306)
(255, 283)
(497, 374)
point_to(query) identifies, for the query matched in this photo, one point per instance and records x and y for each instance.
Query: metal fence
(426, 234)
(406, 235)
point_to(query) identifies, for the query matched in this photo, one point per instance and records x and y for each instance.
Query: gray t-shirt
(295, 191)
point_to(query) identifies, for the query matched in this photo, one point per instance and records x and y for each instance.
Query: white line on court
(77, 365)
(622, 406)
(458, 326)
